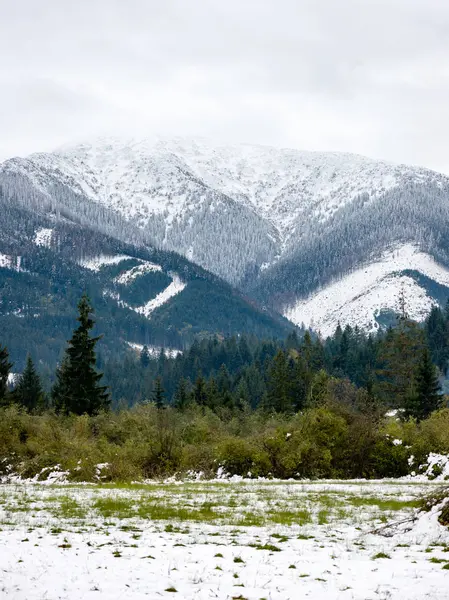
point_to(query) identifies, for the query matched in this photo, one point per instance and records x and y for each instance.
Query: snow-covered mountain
(362, 296)
(284, 225)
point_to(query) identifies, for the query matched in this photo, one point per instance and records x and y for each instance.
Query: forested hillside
(142, 295)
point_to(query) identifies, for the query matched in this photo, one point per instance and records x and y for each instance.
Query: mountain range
(315, 238)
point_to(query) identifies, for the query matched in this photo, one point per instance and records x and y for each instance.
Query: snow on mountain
(7, 262)
(43, 237)
(155, 176)
(276, 222)
(155, 351)
(175, 287)
(171, 187)
(128, 276)
(358, 297)
(98, 262)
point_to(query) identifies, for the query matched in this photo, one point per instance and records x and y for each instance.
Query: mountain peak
(279, 223)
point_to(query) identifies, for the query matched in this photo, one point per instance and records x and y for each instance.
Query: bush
(337, 439)
(241, 457)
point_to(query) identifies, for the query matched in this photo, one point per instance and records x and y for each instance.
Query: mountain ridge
(278, 223)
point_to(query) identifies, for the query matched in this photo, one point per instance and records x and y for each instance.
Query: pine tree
(29, 392)
(144, 357)
(77, 388)
(200, 391)
(438, 338)
(425, 396)
(159, 393)
(399, 357)
(278, 384)
(5, 367)
(182, 396)
(224, 384)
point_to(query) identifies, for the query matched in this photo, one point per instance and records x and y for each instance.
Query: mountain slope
(366, 295)
(141, 295)
(281, 224)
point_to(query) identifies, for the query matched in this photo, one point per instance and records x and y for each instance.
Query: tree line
(400, 368)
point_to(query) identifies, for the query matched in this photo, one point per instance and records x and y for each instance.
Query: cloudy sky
(366, 76)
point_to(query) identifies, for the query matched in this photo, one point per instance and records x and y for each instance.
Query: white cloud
(369, 77)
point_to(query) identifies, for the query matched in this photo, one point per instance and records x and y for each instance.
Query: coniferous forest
(353, 405)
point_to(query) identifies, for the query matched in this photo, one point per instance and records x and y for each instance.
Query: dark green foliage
(182, 395)
(5, 367)
(426, 394)
(158, 393)
(145, 357)
(279, 382)
(399, 356)
(77, 388)
(200, 394)
(438, 337)
(29, 392)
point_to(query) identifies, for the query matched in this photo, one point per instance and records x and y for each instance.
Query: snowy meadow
(231, 539)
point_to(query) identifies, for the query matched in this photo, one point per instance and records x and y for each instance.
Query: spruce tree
(5, 367)
(425, 396)
(438, 338)
(144, 357)
(159, 393)
(278, 384)
(77, 388)
(399, 356)
(182, 396)
(200, 392)
(29, 392)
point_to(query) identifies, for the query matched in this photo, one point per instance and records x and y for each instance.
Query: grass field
(248, 539)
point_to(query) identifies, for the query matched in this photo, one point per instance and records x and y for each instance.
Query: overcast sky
(366, 76)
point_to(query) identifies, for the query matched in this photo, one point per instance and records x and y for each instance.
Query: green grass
(111, 506)
(382, 504)
(287, 517)
(380, 555)
(269, 547)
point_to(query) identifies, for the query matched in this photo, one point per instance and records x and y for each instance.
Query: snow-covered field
(222, 539)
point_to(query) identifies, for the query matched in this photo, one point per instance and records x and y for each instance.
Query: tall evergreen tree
(200, 391)
(438, 338)
(278, 384)
(399, 356)
(5, 367)
(144, 357)
(29, 392)
(182, 396)
(77, 389)
(425, 396)
(159, 393)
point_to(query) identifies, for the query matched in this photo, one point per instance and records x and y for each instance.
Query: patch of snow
(397, 442)
(355, 299)
(7, 262)
(155, 351)
(129, 276)
(98, 262)
(13, 378)
(175, 287)
(43, 237)
(436, 467)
